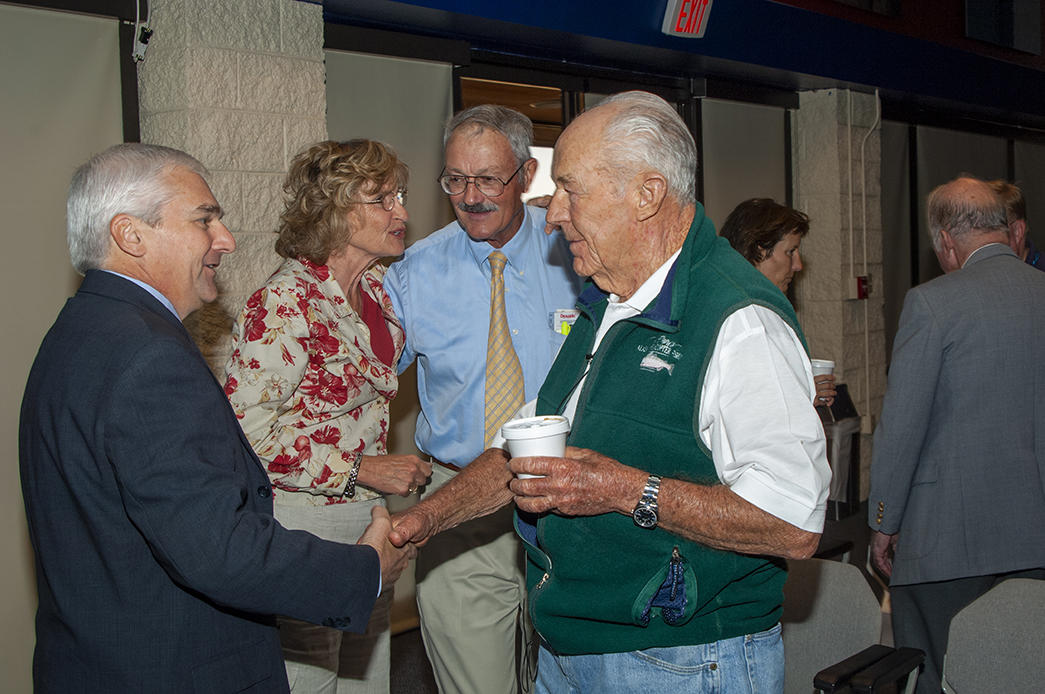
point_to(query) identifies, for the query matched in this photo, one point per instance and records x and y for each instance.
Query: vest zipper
(532, 596)
(676, 559)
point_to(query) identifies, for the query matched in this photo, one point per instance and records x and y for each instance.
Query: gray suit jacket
(959, 455)
(158, 562)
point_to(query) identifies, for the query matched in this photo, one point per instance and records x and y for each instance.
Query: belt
(448, 466)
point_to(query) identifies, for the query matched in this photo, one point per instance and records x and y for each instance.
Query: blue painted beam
(756, 40)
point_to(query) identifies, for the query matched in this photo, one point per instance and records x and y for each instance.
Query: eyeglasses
(487, 185)
(387, 201)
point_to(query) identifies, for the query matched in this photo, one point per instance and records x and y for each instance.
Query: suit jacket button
(264, 492)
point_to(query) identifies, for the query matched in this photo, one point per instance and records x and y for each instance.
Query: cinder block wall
(239, 84)
(830, 153)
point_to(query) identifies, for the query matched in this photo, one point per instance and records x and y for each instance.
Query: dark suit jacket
(959, 456)
(159, 565)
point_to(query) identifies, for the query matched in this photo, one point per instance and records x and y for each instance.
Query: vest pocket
(669, 594)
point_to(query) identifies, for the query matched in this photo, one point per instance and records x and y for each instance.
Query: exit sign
(687, 18)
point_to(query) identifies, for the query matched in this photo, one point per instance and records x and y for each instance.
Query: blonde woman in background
(311, 377)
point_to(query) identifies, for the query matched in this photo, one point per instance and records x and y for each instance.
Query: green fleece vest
(591, 579)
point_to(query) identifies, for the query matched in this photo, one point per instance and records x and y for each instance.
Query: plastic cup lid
(532, 427)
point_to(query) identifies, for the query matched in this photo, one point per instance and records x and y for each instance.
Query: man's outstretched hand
(394, 560)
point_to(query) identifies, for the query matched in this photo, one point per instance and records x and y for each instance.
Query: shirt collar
(149, 288)
(649, 289)
(987, 245)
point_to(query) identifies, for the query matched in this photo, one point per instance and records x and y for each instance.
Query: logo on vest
(660, 354)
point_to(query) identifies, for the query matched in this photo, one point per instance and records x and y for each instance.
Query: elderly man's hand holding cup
(533, 437)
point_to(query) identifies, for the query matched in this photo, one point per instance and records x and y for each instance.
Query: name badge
(562, 319)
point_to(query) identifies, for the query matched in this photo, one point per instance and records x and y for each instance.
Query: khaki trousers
(321, 660)
(471, 593)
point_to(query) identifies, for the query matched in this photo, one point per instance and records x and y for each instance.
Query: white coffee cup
(822, 367)
(536, 436)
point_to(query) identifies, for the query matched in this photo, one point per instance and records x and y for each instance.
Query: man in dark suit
(956, 478)
(159, 565)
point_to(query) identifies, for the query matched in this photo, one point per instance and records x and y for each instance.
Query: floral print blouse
(306, 385)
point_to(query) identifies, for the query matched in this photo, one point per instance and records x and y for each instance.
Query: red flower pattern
(327, 434)
(326, 387)
(300, 394)
(254, 317)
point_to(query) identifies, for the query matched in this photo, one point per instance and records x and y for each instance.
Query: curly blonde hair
(321, 184)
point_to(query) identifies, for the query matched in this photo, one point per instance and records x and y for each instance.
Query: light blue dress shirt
(152, 290)
(440, 289)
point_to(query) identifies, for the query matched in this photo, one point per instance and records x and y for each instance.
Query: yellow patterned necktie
(504, 377)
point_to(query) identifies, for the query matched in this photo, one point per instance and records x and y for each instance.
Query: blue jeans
(743, 665)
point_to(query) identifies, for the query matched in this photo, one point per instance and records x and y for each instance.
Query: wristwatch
(645, 513)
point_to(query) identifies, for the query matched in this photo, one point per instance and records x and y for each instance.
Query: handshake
(583, 483)
(479, 490)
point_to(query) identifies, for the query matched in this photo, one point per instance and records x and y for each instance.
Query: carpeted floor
(411, 672)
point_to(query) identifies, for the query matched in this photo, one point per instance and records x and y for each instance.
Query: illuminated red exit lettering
(686, 17)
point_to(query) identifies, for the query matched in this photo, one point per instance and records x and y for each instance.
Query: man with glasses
(477, 300)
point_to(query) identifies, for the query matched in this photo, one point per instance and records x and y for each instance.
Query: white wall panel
(60, 104)
(403, 103)
(743, 157)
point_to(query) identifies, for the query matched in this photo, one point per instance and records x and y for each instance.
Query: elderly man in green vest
(695, 458)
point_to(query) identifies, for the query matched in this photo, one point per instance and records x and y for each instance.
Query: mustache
(477, 207)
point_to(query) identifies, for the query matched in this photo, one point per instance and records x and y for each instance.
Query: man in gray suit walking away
(957, 498)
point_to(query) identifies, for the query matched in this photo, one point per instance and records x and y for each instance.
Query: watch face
(645, 517)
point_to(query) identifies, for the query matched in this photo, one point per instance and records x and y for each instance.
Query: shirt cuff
(775, 502)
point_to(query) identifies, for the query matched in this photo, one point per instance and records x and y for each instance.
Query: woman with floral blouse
(311, 377)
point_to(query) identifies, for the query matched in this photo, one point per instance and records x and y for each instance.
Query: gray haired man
(648, 544)
(956, 487)
(159, 565)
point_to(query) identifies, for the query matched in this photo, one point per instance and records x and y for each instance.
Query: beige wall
(60, 104)
(239, 85)
(743, 156)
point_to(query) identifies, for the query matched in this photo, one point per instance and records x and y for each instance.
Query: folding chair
(830, 614)
(996, 644)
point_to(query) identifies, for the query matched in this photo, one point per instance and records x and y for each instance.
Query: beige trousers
(321, 660)
(471, 593)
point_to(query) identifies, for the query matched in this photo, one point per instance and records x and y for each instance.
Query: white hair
(129, 179)
(647, 133)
